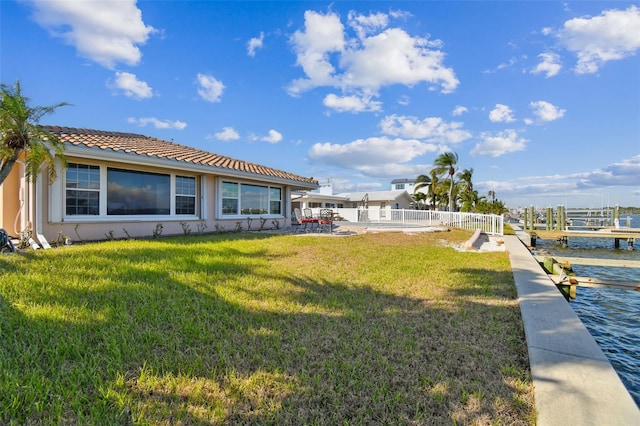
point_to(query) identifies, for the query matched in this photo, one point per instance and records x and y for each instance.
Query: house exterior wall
(51, 221)
(10, 198)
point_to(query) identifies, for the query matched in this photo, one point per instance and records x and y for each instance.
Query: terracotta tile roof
(132, 143)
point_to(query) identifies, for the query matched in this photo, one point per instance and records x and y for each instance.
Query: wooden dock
(624, 234)
(590, 261)
(562, 224)
(605, 233)
(594, 282)
(560, 271)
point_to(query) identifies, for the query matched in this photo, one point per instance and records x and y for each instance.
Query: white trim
(103, 217)
(130, 218)
(204, 197)
(218, 199)
(38, 196)
(55, 189)
(172, 192)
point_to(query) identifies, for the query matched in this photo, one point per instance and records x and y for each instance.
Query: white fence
(488, 223)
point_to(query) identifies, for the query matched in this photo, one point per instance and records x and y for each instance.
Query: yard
(263, 329)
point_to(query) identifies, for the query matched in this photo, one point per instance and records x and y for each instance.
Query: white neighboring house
(324, 198)
(319, 198)
(408, 185)
(380, 199)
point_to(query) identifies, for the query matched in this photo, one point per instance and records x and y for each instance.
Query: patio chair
(303, 220)
(308, 219)
(296, 220)
(326, 220)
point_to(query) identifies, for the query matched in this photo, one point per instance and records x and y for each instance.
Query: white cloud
(394, 57)
(459, 110)
(431, 129)
(107, 32)
(501, 114)
(371, 153)
(368, 61)
(351, 103)
(227, 134)
(512, 61)
(549, 65)
(131, 86)
(346, 186)
(624, 173)
(546, 111)
(210, 89)
(612, 35)
(364, 25)
(254, 44)
(158, 124)
(579, 188)
(323, 34)
(393, 170)
(500, 143)
(273, 137)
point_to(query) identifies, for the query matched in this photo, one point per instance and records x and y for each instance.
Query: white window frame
(240, 215)
(58, 198)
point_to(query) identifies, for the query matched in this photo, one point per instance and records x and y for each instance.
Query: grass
(263, 329)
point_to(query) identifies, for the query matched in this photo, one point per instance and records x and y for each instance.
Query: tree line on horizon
(447, 186)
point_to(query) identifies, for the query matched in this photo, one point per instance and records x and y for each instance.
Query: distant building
(324, 198)
(408, 185)
(380, 199)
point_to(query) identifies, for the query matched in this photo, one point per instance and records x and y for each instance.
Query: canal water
(612, 316)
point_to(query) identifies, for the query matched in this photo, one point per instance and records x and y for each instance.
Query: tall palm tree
(20, 134)
(422, 181)
(465, 189)
(432, 190)
(492, 195)
(446, 164)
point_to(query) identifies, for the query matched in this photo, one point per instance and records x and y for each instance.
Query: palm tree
(20, 134)
(446, 164)
(467, 194)
(421, 182)
(432, 190)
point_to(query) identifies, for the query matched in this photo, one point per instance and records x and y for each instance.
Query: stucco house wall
(120, 185)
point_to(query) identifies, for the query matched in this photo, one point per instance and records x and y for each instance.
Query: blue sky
(541, 99)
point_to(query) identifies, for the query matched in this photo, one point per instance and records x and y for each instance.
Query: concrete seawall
(574, 383)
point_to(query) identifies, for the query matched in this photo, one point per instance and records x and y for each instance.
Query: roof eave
(132, 158)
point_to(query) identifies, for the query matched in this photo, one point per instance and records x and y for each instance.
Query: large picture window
(137, 193)
(108, 191)
(250, 199)
(82, 189)
(254, 199)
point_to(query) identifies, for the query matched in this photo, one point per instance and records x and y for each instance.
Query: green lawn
(263, 329)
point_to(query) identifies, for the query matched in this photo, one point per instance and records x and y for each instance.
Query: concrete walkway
(574, 383)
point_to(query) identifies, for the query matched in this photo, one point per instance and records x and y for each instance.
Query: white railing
(488, 223)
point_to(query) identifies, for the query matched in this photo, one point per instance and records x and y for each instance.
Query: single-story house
(118, 185)
(379, 199)
(315, 200)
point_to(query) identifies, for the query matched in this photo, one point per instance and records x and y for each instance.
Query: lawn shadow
(201, 342)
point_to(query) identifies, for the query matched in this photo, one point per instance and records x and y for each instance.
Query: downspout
(21, 197)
